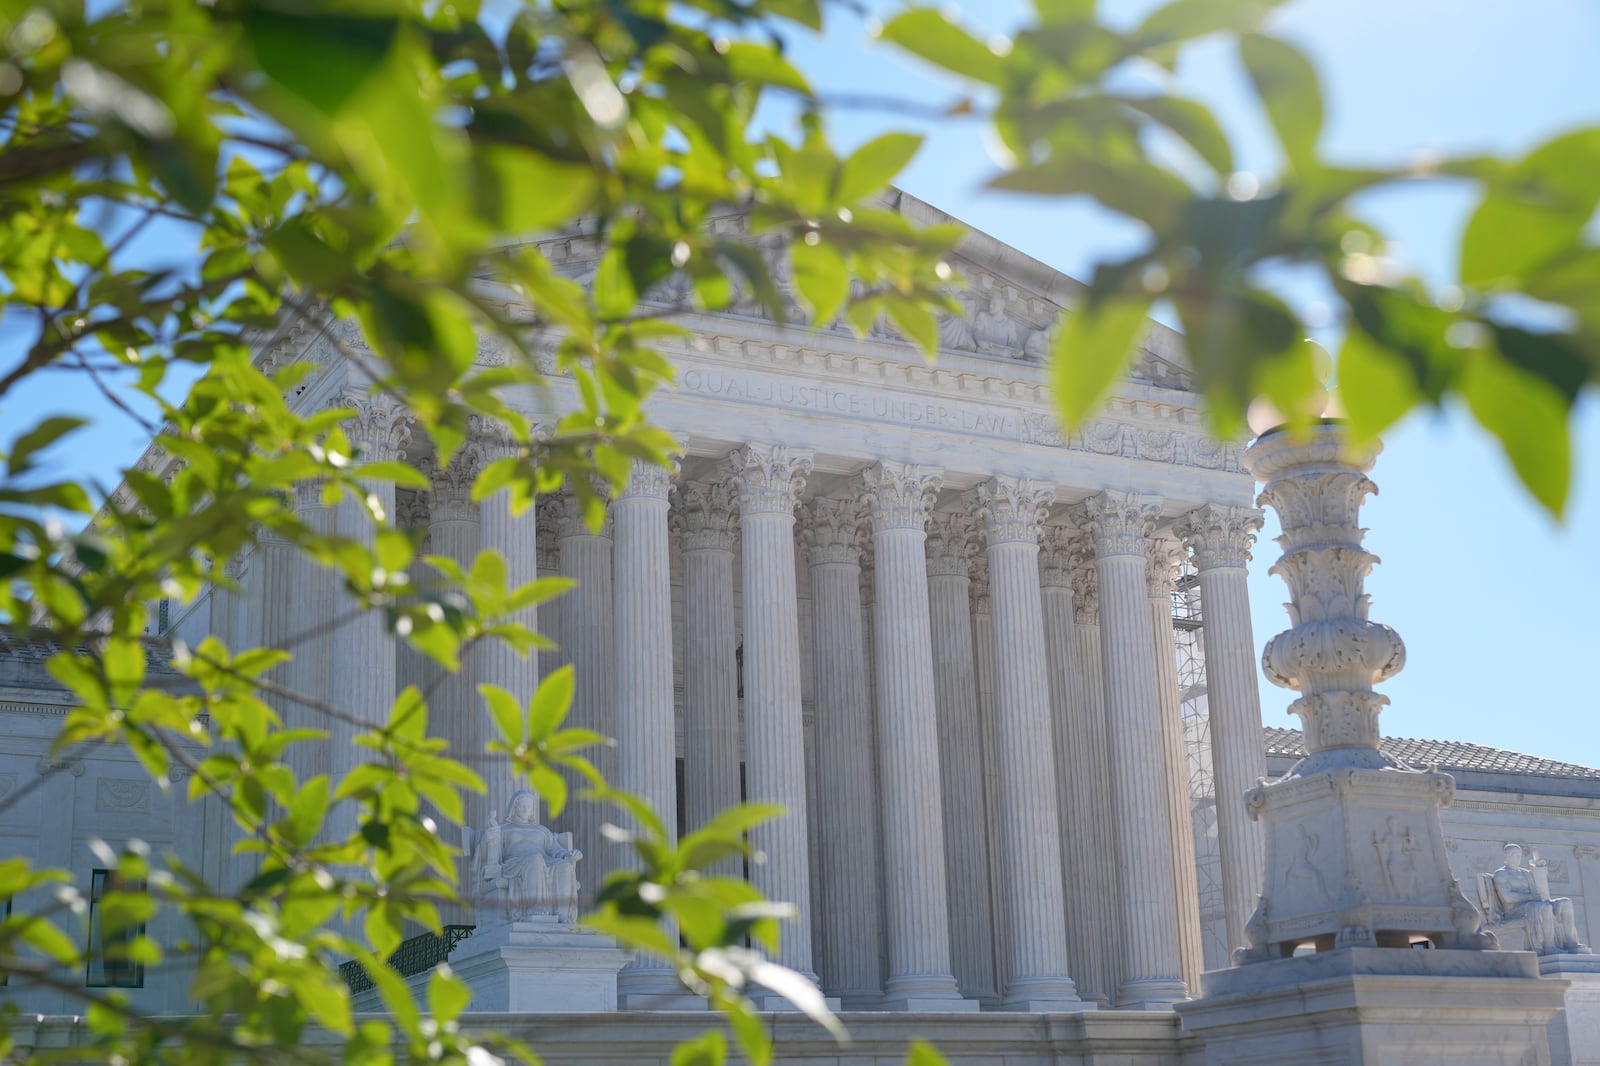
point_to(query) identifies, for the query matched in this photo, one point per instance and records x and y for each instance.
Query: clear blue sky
(1499, 607)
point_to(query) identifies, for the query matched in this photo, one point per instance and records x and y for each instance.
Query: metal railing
(415, 955)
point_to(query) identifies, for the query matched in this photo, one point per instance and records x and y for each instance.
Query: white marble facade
(893, 596)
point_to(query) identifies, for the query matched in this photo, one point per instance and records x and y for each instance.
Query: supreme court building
(1001, 676)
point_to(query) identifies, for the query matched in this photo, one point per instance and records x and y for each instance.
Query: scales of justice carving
(520, 869)
(1355, 856)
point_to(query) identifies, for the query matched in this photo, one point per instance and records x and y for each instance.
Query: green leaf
(1090, 351)
(524, 191)
(1136, 189)
(1186, 20)
(1536, 213)
(322, 59)
(1375, 386)
(448, 995)
(507, 713)
(1191, 121)
(913, 319)
(708, 1049)
(874, 165)
(820, 277)
(1529, 418)
(922, 1053)
(38, 438)
(926, 33)
(1290, 92)
(551, 702)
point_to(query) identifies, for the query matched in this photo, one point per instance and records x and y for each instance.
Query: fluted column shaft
(515, 537)
(705, 516)
(848, 911)
(1220, 538)
(547, 555)
(967, 869)
(990, 788)
(899, 497)
(586, 643)
(1089, 797)
(1036, 934)
(646, 763)
(362, 649)
(1151, 971)
(455, 711)
(313, 598)
(767, 479)
(1159, 559)
(1086, 936)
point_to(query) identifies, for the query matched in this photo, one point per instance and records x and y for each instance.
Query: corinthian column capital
(651, 481)
(768, 478)
(1119, 522)
(834, 530)
(1056, 548)
(952, 542)
(900, 495)
(1012, 508)
(450, 499)
(1219, 536)
(565, 516)
(1161, 555)
(705, 515)
(381, 426)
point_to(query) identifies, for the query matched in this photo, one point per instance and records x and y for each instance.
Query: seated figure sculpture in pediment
(521, 869)
(1522, 900)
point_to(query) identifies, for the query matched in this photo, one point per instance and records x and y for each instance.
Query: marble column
(647, 764)
(587, 636)
(990, 789)
(1220, 538)
(899, 497)
(1036, 934)
(362, 649)
(1086, 939)
(848, 898)
(1090, 794)
(1160, 562)
(951, 540)
(768, 479)
(1151, 970)
(515, 538)
(547, 557)
(455, 709)
(313, 598)
(705, 515)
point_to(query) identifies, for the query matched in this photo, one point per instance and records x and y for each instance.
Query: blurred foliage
(179, 180)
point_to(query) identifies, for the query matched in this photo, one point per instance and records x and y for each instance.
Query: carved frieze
(117, 795)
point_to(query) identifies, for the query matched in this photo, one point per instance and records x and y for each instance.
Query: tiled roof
(1445, 754)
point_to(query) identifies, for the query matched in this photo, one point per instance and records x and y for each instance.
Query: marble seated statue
(521, 869)
(1520, 911)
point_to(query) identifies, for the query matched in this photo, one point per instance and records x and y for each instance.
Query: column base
(772, 1003)
(1043, 995)
(860, 999)
(1373, 1006)
(655, 988)
(1156, 993)
(921, 1005)
(924, 992)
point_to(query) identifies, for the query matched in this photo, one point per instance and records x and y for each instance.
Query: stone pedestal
(1370, 1006)
(540, 966)
(1575, 1033)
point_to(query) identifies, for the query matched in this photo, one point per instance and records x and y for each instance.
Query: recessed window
(111, 963)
